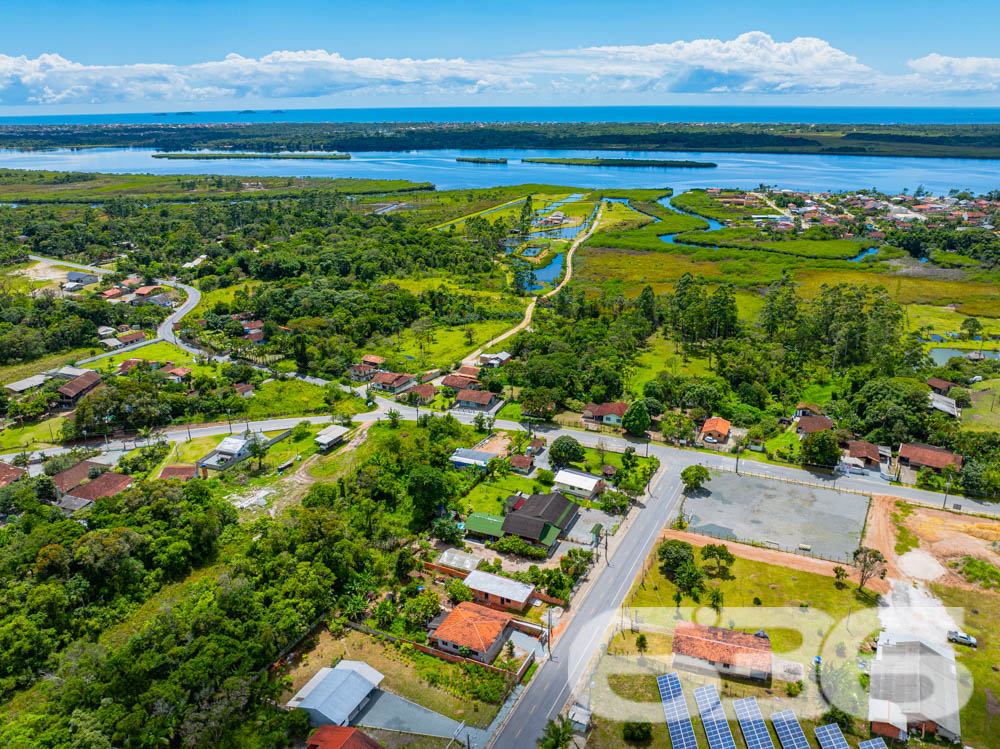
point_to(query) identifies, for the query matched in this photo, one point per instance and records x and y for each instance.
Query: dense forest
(975, 141)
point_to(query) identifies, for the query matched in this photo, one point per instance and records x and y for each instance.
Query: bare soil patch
(943, 537)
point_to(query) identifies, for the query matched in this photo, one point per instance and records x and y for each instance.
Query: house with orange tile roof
(474, 631)
(717, 428)
(700, 648)
(340, 737)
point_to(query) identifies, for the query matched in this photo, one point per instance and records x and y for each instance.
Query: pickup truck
(962, 639)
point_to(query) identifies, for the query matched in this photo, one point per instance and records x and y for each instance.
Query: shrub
(519, 547)
(794, 689)
(546, 477)
(637, 733)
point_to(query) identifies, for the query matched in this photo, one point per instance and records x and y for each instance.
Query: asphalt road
(165, 331)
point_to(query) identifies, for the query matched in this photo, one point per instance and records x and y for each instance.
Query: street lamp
(947, 487)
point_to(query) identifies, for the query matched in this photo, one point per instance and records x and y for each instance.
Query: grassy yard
(628, 271)
(787, 441)
(13, 372)
(403, 676)
(982, 611)
(488, 495)
(36, 436)
(592, 461)
(751, 238)
(194, 450)
(510, 411)
(818, 393)
(280, 397)
(984, 413)
(700, 202)
(663, 354)
(446, 347)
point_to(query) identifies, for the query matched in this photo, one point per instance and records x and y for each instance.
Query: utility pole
(947, 488)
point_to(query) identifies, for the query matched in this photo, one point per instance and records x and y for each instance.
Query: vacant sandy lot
(941, 536)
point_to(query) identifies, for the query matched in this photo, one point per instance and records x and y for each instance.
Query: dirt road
(567, 276)
(779, 558)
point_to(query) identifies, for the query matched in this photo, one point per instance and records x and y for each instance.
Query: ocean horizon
(664, 114)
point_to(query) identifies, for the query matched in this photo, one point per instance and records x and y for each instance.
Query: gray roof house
(334, 696)
(499, 591)
(463, 457)
(26, 384)
(916, 679)
(81, 277)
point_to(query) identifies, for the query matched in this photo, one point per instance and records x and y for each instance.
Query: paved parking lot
(779, 514)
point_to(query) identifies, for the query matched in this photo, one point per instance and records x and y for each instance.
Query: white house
(335, 696)
(579, 484)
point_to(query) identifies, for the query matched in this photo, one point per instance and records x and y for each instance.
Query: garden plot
(779, 515)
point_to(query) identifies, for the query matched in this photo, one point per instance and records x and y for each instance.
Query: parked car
(711, 440)
(961, 638)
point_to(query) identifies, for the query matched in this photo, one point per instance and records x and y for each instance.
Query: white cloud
(753, 63)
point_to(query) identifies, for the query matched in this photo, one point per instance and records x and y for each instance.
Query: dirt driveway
(779, 558)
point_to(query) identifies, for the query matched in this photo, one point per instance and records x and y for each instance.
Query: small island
(196, 156)
(479, 160)
(626, 162)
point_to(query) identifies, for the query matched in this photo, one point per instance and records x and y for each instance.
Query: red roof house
(340, 737)
(9, 474)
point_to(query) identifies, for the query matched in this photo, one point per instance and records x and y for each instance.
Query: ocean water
(813, 172)
(690, 114)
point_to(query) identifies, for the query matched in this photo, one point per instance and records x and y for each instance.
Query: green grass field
(984, 413)
(285, 397)
(448, 345)
(750, 238)
(661, 355)
(35, 436)
(488, 495)
(210, 298)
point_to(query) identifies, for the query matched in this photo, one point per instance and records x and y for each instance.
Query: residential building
(160, 300)
(177, 374)
(134, 337)
(484, 525)
(467, 370)
(73, 476)
(807, 409)
(392, 382)
(330, 436)
(372, 360)
(472, 630)
(536, 447)
(421, 394)
(459, 382)
(717, 428)
(67, 372)
(494, 360)
(111, 343)
(913, 688)
(700, 648)
(9, 474)
(919, 455)
(940, 386)
(78, 387)
(335, 696)
(81, 277)
(579, 484)
(361, 372)
(498, 591)
(230, 451)
(148, 291)
(480, 400)
(70, 504)
(106, 485)
(464, 457)
(340, 737)
(523, 464)
(179, 471)
(605, 413)
(105, 331)
(244, 390)
(540, 519)
(865, 452)
(112, 293)
(810, 424)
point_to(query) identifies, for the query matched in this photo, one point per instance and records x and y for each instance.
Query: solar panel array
(752, 724)
(790, 734)
(877, 743)
(831, 737)
(713, 717)
(676, 712)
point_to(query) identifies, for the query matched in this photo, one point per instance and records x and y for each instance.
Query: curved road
(165, 331)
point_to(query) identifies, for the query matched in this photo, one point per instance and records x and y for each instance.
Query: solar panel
(830, 737)
(713, 718)
(877, 743)
(675, 710)
(790, 734)
(752, 724)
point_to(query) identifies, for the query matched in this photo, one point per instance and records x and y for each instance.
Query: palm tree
(258, 450)
(557, 734)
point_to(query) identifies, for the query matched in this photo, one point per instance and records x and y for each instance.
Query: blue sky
(136, 56)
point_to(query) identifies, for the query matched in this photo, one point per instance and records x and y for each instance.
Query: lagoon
(811, 172)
